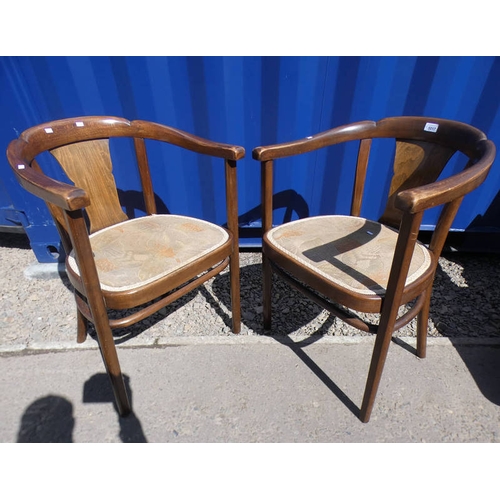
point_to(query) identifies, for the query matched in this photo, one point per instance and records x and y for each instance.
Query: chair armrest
(458, 185)
(359, 130)
(58, 193)
(150, 130)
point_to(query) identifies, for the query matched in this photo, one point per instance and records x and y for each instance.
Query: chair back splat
(115, 262)
(350, 264)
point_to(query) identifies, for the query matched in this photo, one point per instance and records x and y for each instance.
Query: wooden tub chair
(350, 264)
(115, 262)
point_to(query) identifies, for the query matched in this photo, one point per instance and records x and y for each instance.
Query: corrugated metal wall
(250, 101)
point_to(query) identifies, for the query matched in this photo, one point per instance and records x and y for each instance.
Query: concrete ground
(249, 390)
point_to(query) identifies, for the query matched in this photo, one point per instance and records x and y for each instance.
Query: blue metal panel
(248, 101)
(20, 209)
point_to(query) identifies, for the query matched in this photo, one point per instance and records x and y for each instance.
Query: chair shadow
(297, 348)
(286, 319)
(459, 309)
(97, 389)
(484, 367)
(329, 252)
(465, 308)
(47, 420)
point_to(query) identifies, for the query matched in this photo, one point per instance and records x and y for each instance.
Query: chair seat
(140, 251)
(351, 252)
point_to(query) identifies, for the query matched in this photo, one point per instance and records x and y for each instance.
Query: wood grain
(88, 165)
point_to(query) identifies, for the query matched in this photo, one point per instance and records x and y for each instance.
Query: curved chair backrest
(423, 148)
(85, 140)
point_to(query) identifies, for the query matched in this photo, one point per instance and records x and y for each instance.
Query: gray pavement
(253, 390)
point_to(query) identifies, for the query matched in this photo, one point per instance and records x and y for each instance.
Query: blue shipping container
(248, 101)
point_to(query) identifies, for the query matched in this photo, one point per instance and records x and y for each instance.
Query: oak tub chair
(349, 264)
(115, 262)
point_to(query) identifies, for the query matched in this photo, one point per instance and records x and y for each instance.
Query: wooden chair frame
(413, 190)
(70, 205)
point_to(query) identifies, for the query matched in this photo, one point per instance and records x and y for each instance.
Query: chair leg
(422, 325)
(97, 307)
(379, 356)
(266, 295)
(110, 358)
(82, 325)
(234, 269)
(408, 232)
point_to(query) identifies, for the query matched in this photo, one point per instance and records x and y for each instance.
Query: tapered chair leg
(422, 325)
(110, 358)
(82, 326)
(234, 269)
(379, 356)
(266, 295)
(78, 229)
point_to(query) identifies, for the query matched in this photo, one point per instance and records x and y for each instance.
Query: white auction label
(431, 127)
